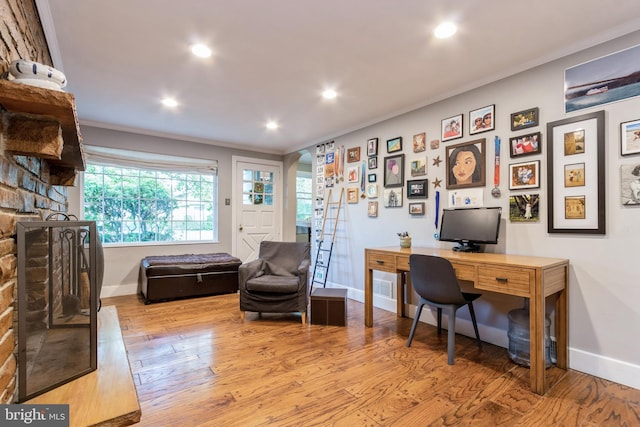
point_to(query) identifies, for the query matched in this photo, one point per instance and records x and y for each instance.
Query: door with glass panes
(258, 207)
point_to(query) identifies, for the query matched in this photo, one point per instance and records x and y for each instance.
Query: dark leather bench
(170, 277)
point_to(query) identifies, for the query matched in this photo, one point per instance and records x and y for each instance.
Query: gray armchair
(276, 282)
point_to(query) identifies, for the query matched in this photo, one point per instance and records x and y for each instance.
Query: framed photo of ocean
(603, 80)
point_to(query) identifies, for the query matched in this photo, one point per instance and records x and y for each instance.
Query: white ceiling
(272, 59)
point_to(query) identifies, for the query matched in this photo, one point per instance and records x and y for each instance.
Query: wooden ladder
(325, 245)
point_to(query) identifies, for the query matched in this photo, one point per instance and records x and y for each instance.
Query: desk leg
(562, 327)
(368, 297)
(400, 295)
(536, 342)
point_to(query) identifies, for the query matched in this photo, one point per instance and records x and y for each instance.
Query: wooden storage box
(329, 307)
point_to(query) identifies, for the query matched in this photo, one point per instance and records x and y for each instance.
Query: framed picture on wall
(482, 119)
(466, 164)
(417, 188)
(525, 119)
(394, 171)
(575, 174)
(630, 138)
(416, 208)
(524, 175)
(353, 154)
(394, 145)
(419, 142)
(525, 144)
(451, 128)
(372, 147)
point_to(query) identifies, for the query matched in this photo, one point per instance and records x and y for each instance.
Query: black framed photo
(416, 208)
(482, 119)
(525, 144)
(372, 147)
(451, 128)
(466, 164)
(373, 162)
(394, 171)
(394, 144)
(417, 188)
(576, 174)
(525, 119)
(630, 138)
(372, 177)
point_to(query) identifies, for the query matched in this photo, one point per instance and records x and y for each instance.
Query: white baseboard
(119, 290)
(593, 364)
(605, 367)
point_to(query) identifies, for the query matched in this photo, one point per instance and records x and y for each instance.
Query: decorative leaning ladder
(325, 246)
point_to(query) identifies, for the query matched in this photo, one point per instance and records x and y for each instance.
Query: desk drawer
(464, 271)
(381, 262)
(402, 263)
(512, 281)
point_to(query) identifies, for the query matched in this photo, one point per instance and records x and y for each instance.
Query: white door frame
(236, 191)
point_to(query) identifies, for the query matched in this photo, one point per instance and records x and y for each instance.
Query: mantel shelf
(17, 98)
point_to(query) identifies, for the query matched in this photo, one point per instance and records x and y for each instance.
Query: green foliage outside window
(131, 205)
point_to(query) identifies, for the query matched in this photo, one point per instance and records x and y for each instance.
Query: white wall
(604, 283)
(122, 263)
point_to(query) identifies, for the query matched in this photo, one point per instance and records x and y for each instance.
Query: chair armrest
(303, 273)
(249, 270)
(304, 266)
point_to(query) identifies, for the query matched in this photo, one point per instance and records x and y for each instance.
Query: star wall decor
(436, 183)
(437, 161)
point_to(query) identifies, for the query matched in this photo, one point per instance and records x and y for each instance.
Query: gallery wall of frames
(395, 173)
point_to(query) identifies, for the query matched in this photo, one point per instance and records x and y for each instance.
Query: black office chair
(435, 281)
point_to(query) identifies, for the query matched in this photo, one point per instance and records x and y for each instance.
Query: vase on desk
(405, 242)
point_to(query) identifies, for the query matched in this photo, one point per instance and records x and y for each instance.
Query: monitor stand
(467, 247)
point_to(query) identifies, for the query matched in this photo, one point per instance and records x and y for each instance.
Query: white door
(257, 191)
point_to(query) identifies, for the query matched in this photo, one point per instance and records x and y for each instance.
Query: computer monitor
(470, 227)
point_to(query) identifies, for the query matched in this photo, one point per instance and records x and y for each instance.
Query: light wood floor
(195, 363)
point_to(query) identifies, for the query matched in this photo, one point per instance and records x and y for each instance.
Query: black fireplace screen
(58, 297)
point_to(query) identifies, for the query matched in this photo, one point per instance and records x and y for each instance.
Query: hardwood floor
(196, 364)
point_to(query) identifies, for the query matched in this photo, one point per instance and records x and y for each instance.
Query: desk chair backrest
(434, 279)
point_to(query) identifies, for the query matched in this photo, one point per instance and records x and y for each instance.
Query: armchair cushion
(274, 284)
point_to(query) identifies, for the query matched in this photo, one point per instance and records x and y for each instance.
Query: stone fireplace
(31, 187)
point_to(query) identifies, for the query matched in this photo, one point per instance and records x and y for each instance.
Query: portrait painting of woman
(466, 164)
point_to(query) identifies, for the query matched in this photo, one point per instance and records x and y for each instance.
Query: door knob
(241, 227)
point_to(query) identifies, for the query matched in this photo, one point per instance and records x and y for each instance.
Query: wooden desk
(530, 277)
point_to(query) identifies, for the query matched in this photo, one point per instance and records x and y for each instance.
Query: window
(304, 196)
(135, 205)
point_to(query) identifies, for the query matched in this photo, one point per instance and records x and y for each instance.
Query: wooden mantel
(23, 104)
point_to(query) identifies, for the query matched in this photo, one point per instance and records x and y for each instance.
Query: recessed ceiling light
(272, 125)
(329, 94)
(200, 50)
(170, 102)
(445, 30)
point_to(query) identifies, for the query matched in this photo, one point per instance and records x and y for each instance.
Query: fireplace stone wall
(25, 191)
